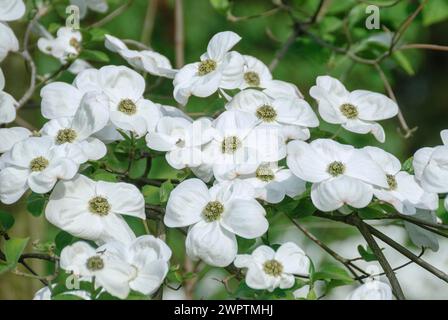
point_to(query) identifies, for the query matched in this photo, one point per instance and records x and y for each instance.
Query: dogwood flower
(289, 113)
(268, 270)
(7, 103)
(238, 147)
(74, 134)
(66, 45)
(93, 210)
(10, 10)
(356, 111)
(110, 271)
(149, 61)
(181, 140)
(35, 164)
(100, 6)
(45, 294)
(372, 290)
(404, 193)
(10, 136)
(430, 166)
(149, 258)
(218, 68)
(272, 183)
(215, 216)
(340, 173)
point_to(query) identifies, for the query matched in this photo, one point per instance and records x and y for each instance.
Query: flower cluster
(255, 153)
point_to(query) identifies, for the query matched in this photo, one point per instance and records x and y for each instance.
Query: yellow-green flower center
(230, 144)
(75, 44)
(206, 67)
(95, 263)
(265, 173)
(252, 79)
(66, 136)
(127, 106)
(349, 111)
(273, 268)
(213, 211)
(266, 113)
(36, 133)
(39, 164)
(391, 181)
(99, 205)
(336, 168)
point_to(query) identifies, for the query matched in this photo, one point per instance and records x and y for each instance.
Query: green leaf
(36, 204)
(6, 220)
(103, 175)
(244, 245)
(435, 11)
(366, 254)
(165, 190)
(403, 62)
(13, 249)
(422, 237)
(62, 240)
(97, 34)
(220, 5)
(138, 168)
(151, 194)
(408, 166)
(94, 55)
(66, 296)
(332, 272)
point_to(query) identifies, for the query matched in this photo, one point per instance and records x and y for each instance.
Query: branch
(285, 47)
(111, 15)
(150, 17)
(179, 33)
(423, 46)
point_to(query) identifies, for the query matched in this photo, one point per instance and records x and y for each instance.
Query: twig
(149, 21)
(423, 46)
(267, 13)
(285, 47)
(179, 33)
(111, 15)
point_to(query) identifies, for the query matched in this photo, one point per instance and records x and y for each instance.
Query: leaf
(244, 245)
(138, 168)
(13, 249)
(404, 62)
(305, 208)
(62, 240)
(94, 55)
(6, 220)
(422, 237)
(435, 11)
(366, 254)
(165, 190)
(332, 272)
(36, 204)
(408, 166)
(97, 34)
(103, 175)
(371, 212)
(220, 5)
(151, 194)
(66, 296)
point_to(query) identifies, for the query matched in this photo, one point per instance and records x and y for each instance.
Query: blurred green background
(418, 77)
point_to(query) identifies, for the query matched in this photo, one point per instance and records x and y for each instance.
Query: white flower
(149, 61)
(78, 66)
(33, 163)
(67, 44)
(215, 216)
(268, 270)
(7, 103)
(109, 270)
(10, 136)
(10, 10)
(149, 258)
(45, 294)
(219, 68)
(272, 183)
(94, 5)
(238, 147)
(181, 140)
(404, 193)
(340, 173)
(431, 166)
(293, 114)
(282, 89)
(92, 210)
(74, 133)
(372, 290)
(356, 111)
(124, 87)
(60, 99)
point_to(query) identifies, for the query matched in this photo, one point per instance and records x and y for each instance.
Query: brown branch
(179, 33)
(150, 17)
(285, 47)
(426, 46)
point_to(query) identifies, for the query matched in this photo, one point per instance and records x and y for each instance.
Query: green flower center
(252, 79)
(230, 144)
(75, 44)
(206, 67)
(99, 205)
(349, 111)
(273, 268)
(336, 168)
(391, 181)
(36, 133)
(266, 113)
(213, 211)
(127, 106)
(66, 136)
(95, 263)
(39, 164)
(265, 173)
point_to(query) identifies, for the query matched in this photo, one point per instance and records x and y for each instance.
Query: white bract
(356, 111)
(403, 192)
(45, 294)
(215, 216)
(93, 210)
(268, 269)
(94, 5)
(66, 45)
(181, 140)
(219, 68)
(431, 166)
(74, 134)
(10, 10)
(33, 164)
(341, 175)
(371, 290)
(10, 136)
(149, 61)
(7, 103)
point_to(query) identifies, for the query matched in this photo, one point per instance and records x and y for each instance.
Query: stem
(148, 26)
(179, 33)
(111, 15)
